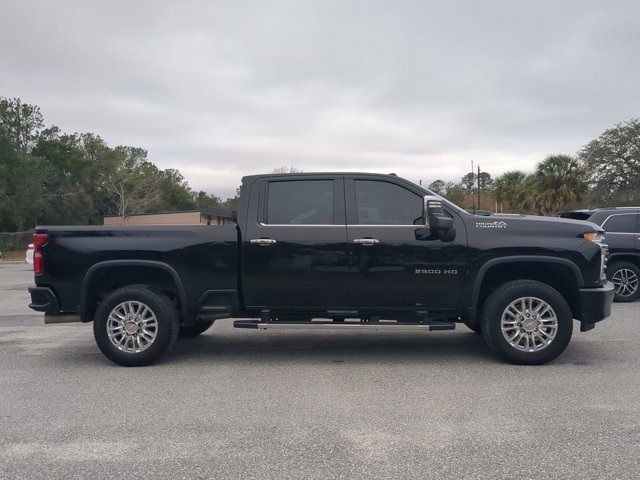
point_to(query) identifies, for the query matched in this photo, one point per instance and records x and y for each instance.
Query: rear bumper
(44, 300)
(595, 305)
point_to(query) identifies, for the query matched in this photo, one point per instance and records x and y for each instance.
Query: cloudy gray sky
(223, 89)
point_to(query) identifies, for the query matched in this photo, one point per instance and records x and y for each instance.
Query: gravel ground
(291, 405)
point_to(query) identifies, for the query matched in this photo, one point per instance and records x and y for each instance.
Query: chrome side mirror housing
(436, 220)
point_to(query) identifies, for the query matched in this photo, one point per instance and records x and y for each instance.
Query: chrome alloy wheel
(132, 327)
(529, 324)
(625, 281)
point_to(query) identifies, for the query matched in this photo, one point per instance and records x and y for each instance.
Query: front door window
(383, 203)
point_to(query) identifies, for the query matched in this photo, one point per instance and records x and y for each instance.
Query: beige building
(204, 216)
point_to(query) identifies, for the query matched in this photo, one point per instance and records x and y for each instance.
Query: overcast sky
(223, 89)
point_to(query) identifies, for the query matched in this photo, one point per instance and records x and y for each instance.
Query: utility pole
(478, 186)
(472, 195)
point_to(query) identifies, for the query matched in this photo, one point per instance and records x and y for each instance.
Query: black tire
(501, 298)
(166, 332)
(475, 327)
(629, 267)
(199, 326)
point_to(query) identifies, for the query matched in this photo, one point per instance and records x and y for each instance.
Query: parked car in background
(622, 227)
(28, 257)
(577, 214)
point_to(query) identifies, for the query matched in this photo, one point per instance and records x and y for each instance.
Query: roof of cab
(624, 209)
(250, 178)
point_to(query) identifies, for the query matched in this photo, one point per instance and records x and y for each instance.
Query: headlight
(597, 237)
(604, 256)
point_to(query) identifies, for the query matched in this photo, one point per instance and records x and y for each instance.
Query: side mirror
(436, 221)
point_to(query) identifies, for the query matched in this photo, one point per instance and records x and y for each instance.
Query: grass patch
(13, 256)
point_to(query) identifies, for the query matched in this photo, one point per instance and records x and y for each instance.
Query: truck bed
(201, 256)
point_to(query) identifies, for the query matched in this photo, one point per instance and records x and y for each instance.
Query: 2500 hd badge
(436, 271)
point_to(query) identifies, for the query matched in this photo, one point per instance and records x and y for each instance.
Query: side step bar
(260, 325)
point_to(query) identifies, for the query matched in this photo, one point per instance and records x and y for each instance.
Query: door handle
(367, 242)
(263, 242)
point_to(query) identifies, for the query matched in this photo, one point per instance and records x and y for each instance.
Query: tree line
(604, 172)
(51, 177)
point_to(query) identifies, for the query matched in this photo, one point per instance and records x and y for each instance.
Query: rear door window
(621, 223)
(300, 202)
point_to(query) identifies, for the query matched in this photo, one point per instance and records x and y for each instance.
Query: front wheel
(134, 326)
(625, 277)
(527, 322)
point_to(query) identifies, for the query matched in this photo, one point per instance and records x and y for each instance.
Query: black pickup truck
(329, 250)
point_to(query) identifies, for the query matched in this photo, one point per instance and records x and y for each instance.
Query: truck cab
(347, 242)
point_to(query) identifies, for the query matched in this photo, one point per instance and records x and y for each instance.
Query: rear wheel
(134, 326)
(527, 322)
(199, 326)
(625, 276)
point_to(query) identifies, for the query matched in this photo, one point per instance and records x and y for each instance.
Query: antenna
(472, 195)
(478, 186)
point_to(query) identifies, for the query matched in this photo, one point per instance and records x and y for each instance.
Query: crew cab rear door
(294, 251)
(391, 268)
(621, 231)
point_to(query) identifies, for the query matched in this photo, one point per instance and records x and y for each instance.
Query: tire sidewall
(498, 302)
(619, 266)
(161, 307)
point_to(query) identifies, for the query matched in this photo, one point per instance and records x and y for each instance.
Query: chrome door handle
(366, 241)
(263, 242)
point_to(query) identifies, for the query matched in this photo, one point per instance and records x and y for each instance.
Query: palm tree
(558, 181)
(509, 188)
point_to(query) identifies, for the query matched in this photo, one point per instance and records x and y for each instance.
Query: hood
(533, 224)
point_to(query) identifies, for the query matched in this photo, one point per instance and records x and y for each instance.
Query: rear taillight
(39, 241)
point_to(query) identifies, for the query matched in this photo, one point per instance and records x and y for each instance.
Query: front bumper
(44, 300)
(595, 305)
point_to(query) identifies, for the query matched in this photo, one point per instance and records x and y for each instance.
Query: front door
(390, 267)
(294, 254)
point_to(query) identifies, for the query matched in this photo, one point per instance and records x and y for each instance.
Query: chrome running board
(275, 325)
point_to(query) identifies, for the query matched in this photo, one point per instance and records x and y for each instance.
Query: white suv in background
(28, 257)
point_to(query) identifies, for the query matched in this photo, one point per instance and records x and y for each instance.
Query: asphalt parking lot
(251, 404)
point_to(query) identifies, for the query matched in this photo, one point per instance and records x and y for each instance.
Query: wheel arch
(155, 274)
(624, 257)
(560, 273)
